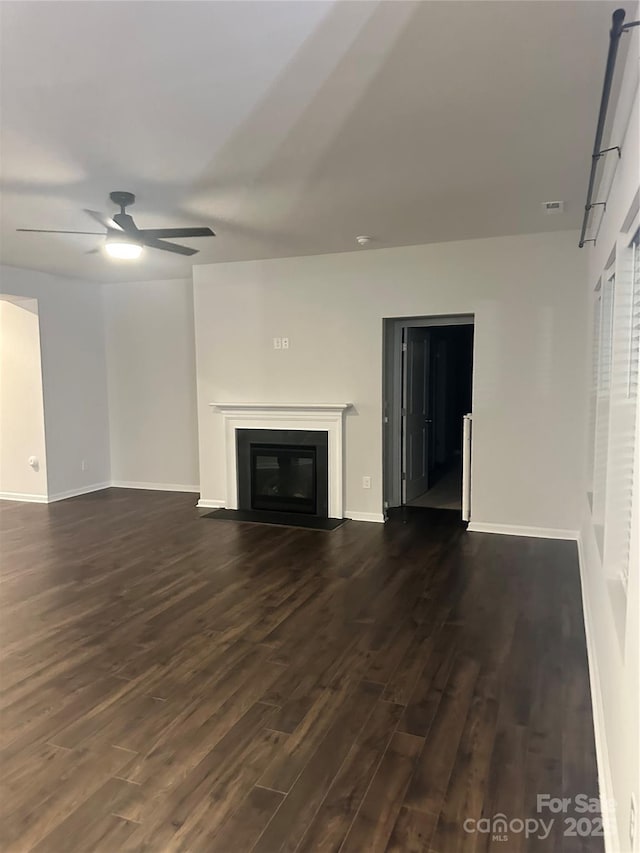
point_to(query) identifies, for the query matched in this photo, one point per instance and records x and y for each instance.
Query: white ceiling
(292, 127)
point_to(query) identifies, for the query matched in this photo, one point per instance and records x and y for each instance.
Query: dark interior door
(417, 422)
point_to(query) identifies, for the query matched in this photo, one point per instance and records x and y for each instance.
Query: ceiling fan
(124, 239)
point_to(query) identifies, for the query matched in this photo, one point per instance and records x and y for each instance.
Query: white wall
(613, 624)
(73, 376)
(152, 386)
(21, 406)
(529, 402)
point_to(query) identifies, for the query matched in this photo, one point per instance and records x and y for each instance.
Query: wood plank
(101, 823)
(200, 730)
(378, 813)
(430, 782)
(241, 830)
(336, 707)
(412, 832)
(46, 802)
(316, 773)
(338, 809)
(464, 797)
(430, 685)
(505, 792)
(169, 820)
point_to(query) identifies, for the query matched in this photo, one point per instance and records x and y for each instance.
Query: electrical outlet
(366, 482)
(83, 465)
(632, 821)
(285, 343)
(277, 343)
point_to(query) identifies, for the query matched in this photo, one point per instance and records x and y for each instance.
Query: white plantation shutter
(634, 347)
(593, 397)
(602, 406)
(621, 377)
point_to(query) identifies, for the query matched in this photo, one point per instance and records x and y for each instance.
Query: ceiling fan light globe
(123, 250)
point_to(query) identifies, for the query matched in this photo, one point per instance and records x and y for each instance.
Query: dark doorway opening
(448, 386)
(428, 395)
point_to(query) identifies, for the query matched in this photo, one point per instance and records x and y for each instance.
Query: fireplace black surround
(283, 471)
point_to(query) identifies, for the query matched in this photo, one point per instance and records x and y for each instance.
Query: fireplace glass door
(283, 478)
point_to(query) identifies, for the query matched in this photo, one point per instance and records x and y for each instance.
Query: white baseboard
(376, 517)
(21, 496)
(211, 504)
(97, 487)
(58, 496)
(605, 781)
(73, 493)
(155, 487)
(521, 530)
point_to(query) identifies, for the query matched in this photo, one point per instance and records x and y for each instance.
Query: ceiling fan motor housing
(121, 198)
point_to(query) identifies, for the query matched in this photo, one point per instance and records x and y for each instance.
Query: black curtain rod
(617, 29)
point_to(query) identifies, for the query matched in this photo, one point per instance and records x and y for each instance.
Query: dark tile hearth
(287, 519)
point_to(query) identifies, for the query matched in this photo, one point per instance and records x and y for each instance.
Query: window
(593, 397)
(624, 416)
(634, 342)
(614, 401)
(604, 352)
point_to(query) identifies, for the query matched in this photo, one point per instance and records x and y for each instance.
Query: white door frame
(392, 395)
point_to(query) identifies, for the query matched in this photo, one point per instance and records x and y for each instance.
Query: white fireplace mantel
(326, 417)
(281, 407)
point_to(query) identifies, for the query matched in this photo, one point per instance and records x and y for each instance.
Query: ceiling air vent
(553, 206)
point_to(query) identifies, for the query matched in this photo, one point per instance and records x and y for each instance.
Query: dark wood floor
(175, 683)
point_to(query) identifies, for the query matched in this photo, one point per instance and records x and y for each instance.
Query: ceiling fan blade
(105, 221)
(93, 251)
(177, 232)
(47, 231)
(152, 243)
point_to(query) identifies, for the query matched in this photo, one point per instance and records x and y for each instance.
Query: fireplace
(279, 425)
(283, 471)
(283, 478)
